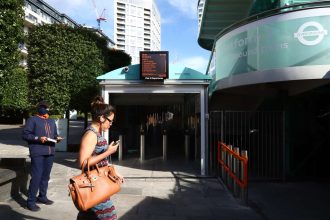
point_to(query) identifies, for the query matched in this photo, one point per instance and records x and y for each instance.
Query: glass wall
(264, 5)
(294, 39)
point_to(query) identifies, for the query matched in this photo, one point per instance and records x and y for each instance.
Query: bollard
(230, 165)
(244, 191)
(225, 153)
(164, 146)
(186, 146)
(222, 156)
(196, 146)
(120, 150)
(235, 171)
(142, 147)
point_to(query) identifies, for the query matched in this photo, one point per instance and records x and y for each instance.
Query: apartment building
(136, 27)
(38, 12)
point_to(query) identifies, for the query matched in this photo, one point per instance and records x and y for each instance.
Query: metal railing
(261, 133)
(234, 169)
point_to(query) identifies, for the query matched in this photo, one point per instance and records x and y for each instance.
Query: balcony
(23, 63)
(120, 26)
(120, 47)
(120, 5)
(121, 15)
(120, 21)
(30, 20)
(119, 10)
(120, 32)
(23, 49)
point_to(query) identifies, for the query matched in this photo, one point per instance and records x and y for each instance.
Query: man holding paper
(40, 132)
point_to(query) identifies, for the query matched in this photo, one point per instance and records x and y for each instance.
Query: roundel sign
(310, 33)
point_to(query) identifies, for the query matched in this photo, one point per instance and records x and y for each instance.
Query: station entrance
(165, 118)
(155, 117)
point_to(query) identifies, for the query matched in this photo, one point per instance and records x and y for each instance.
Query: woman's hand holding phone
(113, 147)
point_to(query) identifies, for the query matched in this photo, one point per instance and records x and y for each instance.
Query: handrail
(241, 182)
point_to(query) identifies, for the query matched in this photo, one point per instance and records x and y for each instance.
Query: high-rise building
(136, 27)
(200, 8)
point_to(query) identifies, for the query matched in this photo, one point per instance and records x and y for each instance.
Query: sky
(179, 26)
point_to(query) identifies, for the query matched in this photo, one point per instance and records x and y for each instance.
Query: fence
(234, 169)
(260, 133)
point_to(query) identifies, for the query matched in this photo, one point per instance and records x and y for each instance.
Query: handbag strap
(86, 163)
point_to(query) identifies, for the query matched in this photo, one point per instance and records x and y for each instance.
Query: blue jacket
(35, 128)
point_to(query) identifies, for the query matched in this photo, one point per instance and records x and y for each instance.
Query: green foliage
(117, 59)
(15, 88)
(12, 78)
(64, 62)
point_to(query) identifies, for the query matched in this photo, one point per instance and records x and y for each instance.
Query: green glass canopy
(218, 15)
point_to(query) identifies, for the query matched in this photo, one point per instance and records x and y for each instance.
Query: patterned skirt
(105, 210)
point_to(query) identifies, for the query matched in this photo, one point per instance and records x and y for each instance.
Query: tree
(13, 81)
(117, 59)
(63, 62)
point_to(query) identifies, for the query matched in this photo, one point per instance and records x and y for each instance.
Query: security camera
(126, 69)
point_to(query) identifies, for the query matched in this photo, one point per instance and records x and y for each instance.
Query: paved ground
(170, 190)
(153, 190)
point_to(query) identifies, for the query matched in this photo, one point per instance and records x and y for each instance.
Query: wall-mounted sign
(317, 33)
(153, 65)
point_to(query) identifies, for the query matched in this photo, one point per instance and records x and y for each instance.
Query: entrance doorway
(156, 116)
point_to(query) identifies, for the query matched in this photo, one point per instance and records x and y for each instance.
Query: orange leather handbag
(93, 186)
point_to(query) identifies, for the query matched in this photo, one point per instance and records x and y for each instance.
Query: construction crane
(99, 17)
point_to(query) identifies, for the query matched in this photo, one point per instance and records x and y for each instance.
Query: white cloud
(187, 7)
(196, 62)
(168, 20)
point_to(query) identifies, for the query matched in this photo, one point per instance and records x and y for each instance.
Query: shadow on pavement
(187, 198)
(9, 213)
(68, 159)
(291, 200)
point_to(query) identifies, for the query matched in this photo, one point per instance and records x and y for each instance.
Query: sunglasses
(110, 121)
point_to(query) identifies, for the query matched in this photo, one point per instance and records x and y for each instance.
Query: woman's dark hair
(99, 108)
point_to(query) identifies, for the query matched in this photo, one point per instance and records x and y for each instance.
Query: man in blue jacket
(41, 134)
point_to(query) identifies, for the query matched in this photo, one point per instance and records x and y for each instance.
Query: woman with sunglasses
(94, 146)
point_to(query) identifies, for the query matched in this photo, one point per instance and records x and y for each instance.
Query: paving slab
(171, 190)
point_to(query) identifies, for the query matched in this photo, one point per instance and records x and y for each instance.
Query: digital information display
(154, 65)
